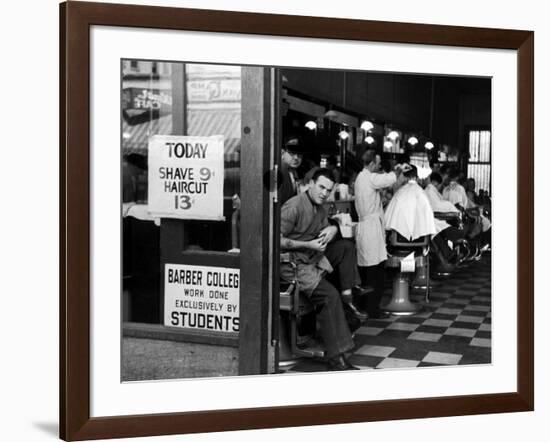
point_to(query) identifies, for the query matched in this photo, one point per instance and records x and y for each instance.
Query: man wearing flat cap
(291, 159)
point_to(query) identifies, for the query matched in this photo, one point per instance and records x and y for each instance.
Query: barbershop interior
(397, 167)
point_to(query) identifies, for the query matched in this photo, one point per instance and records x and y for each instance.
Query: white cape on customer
(409, 212)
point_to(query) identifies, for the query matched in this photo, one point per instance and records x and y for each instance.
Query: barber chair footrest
(313, 349)
(287, 364)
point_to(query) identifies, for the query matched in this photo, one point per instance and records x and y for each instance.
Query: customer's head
(411, 172)
(444, 171)
(436, 179)
(453, 174)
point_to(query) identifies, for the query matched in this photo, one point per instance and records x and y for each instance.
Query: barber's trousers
(374, 277)
(327, 300)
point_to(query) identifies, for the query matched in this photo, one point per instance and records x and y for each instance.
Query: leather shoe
(353, 323)
(340, 363)
(380, 315)
(348, 303)
(362, 290)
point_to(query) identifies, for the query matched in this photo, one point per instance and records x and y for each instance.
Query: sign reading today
(199, 297)
(186, 177)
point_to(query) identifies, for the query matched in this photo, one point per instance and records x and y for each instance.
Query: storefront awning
(135, 138)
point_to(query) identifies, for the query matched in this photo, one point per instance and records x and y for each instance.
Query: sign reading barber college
(200, 297)
(186, 177)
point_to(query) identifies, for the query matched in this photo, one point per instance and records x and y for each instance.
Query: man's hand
(317, 244)
(328, 234)
(402, 167)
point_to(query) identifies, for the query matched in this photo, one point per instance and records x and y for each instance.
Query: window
(479, 165)
(207, 101)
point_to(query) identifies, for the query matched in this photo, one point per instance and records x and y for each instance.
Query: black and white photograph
(281, 220)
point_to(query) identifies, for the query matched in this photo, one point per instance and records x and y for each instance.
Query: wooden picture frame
(76, 18)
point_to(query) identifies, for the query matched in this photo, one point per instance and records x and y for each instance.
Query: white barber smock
(370, 237)
(409, 212)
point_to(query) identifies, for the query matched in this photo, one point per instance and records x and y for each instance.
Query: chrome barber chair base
(407, 309)
(420, 282)
(400, 304)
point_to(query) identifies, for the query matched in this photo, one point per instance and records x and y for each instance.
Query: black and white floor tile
(453, 328)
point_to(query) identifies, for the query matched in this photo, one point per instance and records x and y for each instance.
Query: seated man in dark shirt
(311, 240)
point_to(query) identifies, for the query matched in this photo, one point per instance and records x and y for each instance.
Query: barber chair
(477, 240)
(439, 270)
(294, 307)
(399, 248)
(462, 248)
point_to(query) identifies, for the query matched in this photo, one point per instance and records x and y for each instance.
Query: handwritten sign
(199, 297)
(186, 177)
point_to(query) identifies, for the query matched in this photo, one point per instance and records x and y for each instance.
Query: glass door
(198, 154)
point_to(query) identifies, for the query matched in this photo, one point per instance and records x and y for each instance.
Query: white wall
(29, 237)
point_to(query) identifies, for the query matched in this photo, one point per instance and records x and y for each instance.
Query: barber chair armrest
(290, 297)
(447, 216)
(286, 298)
(398, 241)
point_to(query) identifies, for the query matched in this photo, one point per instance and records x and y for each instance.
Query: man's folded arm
(293, 244)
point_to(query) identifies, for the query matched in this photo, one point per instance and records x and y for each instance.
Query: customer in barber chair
(475, 223)
(445, 232)
(409, 212)
(454, 192)
(318, 252)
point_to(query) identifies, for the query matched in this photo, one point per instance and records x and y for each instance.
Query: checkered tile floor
(454, 328)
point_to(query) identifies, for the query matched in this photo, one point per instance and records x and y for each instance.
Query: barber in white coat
(370, 235)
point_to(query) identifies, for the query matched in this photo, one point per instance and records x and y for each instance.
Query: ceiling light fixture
(311, 125)
(367, 126)
(344, 135)
(393, 135)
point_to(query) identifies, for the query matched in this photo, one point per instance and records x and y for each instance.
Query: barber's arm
(382, 180)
